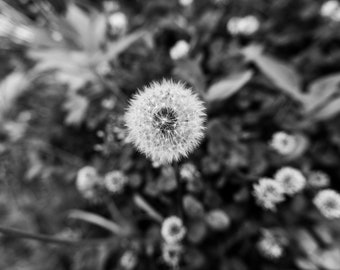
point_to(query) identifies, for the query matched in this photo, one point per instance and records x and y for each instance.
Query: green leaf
(285, 77)
(228, 86)
(115, 48)
(328, 111)
(76, 107)
(321, 90)
(97, 220)
(10, 88)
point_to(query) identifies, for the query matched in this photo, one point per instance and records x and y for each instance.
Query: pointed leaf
(228, 86)
(281, 74)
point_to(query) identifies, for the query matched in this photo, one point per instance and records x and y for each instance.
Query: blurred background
(268, 73)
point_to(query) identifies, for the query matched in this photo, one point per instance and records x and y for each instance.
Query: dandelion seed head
(165, 121)
(291, 180)
(115, 181)
(268, 193)
(179, 50)
(328, 203)
(331, 10)
(87, 181)
(173, 230)
(283, 143)
(318, 179)
(171, 254)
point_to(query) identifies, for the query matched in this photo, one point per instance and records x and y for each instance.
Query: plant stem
(179, 191)
(48, 239)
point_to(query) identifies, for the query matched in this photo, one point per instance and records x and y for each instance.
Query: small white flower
(118, 23)
(318, 179)
(186, 3)
(270, 246)
(189, 172)
(87, 182)
(173, 230)
(247, 25)
(179, 50)
(328, 203)
(171, 254)
(331, 10)
(115, 181)
(268, 193)
(284, 143)
(291, 180)
(129, 260)
(165, 121)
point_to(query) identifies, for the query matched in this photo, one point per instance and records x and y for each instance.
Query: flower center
(165, 120)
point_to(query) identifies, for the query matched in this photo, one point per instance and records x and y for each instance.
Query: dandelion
(87, 182)
(171, 254)
(115, 181)
(186, 3)
(331, 10)
(218, 220)
(118, 23)
(328, 203)
(189, 172)
(318, 179)
(271, 245)
(247, 25)
(284, 143)
(291, 180)
(179, 50)
(165, 121)
(268, 193)
(129, 260)
(173, 230)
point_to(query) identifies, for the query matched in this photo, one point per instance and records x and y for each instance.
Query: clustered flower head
(189, 172)
(165, 121)
(247, 25)
(291, 180)
(129, 260)
(171, 254)
(115, 181)
(270, 245)
(179, 50)
(268, 193)
(173, 230)
(318, 179)
(331, 10)
(118, 23)
(328, 203)
(284, 143)
(87, 181)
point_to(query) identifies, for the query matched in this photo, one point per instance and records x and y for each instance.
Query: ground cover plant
(159, 134)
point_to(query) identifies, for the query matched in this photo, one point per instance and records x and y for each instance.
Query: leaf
(142, 204)
(329, 259)
(321, 90)
(328, 111)
(76, 107)
(97, 220)
(281, 74)
(10, 88)
(228, 86)
(122, 44)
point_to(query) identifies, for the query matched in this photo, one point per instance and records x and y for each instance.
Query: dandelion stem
(48, 239)
(179, 190)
